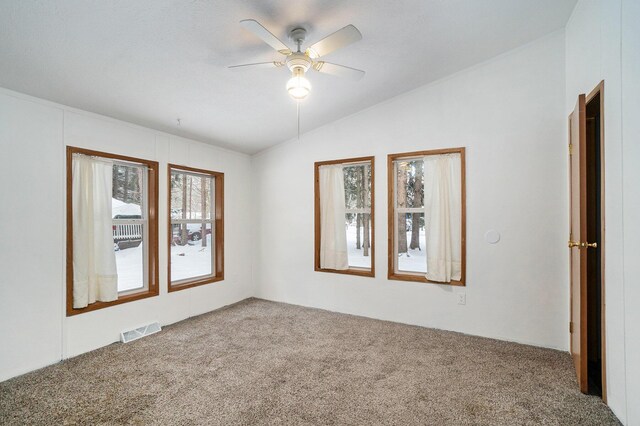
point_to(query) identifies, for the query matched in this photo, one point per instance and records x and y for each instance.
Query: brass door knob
(573, 244)
(589, 245)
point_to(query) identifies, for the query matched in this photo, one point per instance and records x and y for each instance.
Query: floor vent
(136, 333)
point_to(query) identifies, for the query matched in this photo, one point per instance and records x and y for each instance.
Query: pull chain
(298, 114)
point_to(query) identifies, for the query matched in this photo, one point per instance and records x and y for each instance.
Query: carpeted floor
(260, 362)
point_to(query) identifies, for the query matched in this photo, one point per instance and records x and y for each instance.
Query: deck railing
(126, 232)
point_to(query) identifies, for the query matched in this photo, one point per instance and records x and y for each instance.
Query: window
(112, 240)
(427, 216)
(195, 227)
(344, 216)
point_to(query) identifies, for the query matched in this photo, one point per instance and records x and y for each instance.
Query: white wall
(602, 43)
(33, 328)
(31, 251)
(630, 52)
(593, 54)
(510, 114)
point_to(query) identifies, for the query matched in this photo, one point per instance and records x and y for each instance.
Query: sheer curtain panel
(333, 234)
(443, 211)
(95, 276)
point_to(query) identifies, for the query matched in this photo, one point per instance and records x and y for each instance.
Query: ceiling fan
(299, 61)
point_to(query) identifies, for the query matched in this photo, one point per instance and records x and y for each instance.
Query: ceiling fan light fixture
(300, 61)
(298, 86)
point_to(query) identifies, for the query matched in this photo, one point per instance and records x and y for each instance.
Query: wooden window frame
(218, 229)
(419, 277)
(352, 270)
(152, 206)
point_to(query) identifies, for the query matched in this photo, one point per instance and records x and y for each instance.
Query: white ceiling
(152, 61)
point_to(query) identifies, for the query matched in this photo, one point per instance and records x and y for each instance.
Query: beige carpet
(260, 362)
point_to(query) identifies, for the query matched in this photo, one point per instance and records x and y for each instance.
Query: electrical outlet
(462, 298)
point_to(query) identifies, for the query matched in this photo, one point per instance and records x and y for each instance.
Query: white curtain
(443, 217)
(94, 262)
(333, 232)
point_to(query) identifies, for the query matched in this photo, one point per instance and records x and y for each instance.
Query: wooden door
(578, 234)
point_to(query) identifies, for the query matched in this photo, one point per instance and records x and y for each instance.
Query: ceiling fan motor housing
(298, 60)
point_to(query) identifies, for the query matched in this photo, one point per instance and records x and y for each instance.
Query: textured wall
(33, 327)
(509, 113)
(602, 44)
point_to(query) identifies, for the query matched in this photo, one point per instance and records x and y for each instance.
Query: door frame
(599, 89)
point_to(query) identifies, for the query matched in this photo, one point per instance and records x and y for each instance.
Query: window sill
(351, 271)
(122, 299)
(195, 283)
(422, 279)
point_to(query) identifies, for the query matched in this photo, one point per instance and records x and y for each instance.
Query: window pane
(410, 183)
(191, 196)
(127, 201)
(368, 185)
(129, 247)
(411, 246)
(359, 240)
(357, 186)
(128, 186)
(191, 251)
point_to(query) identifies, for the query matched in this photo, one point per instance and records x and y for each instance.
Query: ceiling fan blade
(265, 35)
(271, 64)
(340, 38)
(338, 70)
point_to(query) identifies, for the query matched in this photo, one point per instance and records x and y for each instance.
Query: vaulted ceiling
(150, 62)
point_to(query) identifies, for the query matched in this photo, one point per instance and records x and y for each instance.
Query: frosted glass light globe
(298, 86)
